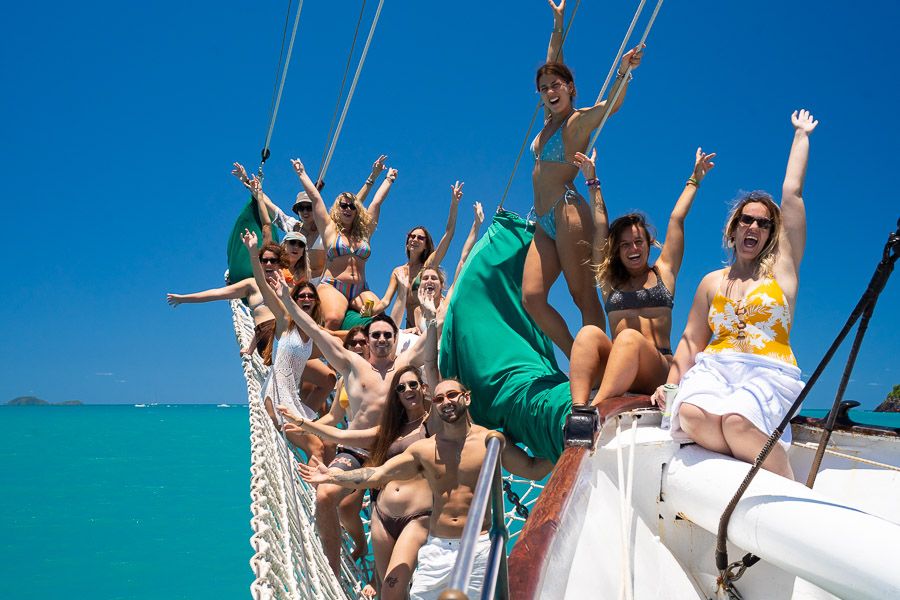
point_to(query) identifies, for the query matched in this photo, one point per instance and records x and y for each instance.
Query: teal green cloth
(238, 260)
(494, 348)
(353, 318)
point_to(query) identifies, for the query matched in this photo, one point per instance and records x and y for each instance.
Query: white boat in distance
(637, 518)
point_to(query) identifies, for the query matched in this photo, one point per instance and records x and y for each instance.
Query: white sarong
(435, 561)
(759, 388)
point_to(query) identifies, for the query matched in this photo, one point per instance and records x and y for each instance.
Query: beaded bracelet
(370, 181)
(592, 183)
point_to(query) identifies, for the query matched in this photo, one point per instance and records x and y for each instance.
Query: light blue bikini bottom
(547, 221)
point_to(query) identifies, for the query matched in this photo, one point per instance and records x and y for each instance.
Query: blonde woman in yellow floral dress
(736, 372)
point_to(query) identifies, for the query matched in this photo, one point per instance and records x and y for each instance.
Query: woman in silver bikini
(402, 508)
(638, 297)
(563, 217)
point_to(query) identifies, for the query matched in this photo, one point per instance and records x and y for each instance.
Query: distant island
(35, 401)
(892, 402)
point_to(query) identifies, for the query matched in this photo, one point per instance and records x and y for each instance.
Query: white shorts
(436, 560)
(759, 388)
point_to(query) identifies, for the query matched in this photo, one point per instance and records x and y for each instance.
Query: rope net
(288, 562)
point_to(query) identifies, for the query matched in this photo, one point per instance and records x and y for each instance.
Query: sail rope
(264, 154)
(337, 102)
(362, 60)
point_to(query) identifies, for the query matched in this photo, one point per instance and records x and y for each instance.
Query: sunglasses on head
(268, 260)
(409, 385)
(762, 222)
(377, 335)
(347, 205)
(451, 395)
(306, 296)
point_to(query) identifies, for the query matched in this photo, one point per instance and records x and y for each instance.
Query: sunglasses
(411, 385)
(416, 236)
(358, 342)
(451, 395)
(306, 296)
(304, 208)
(377, 335)
(763, 222)
(296, 243)
(270, 261)
(347, 205)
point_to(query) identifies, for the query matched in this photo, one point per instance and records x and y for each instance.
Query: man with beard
(366, 381)
(450, 461)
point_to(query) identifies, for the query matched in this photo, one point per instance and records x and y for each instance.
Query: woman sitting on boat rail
(346, 232)
(638, 297)
(401, 508)
(564, 226)
(735, 391)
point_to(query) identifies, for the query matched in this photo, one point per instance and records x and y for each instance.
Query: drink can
(670, 390)
(368, 305)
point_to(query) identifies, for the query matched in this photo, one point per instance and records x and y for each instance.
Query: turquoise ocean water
(107, 502)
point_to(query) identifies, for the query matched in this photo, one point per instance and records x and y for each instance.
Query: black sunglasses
(306, 296)
(416, 236)
(763, 222)
(411, 385)
(304, 208)
(271, 261)
(296, 243)
(377, 335)
(451, 395)
(347, 205)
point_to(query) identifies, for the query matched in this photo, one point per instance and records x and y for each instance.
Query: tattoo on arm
(357, 476)
(391, 581)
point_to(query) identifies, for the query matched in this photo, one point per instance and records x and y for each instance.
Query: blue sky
(121, 122)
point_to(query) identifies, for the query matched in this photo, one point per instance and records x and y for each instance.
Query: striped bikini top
(342, 248)
(758, 324)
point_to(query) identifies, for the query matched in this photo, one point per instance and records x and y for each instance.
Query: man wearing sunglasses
(450, 461)
(366, 380)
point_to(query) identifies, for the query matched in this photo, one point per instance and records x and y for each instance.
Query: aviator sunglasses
(411, 385)
(762, 222)
(451, 395)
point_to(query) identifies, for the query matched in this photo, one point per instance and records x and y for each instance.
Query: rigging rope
(615, 97)
(362, 60)
(337, 101)
(264, 154)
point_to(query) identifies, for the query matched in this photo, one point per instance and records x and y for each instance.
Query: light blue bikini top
(553, 150)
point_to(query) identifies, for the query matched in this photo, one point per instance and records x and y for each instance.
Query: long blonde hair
(362, 224)
(769, 253)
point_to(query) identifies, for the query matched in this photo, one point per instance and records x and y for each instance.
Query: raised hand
(240, 172)
(632, 58)
(587, 164)
(250, 240)
(559, 10)
(280, 286)
(298, 166)
(173, 299)
(479, 213)
(289, 413)
(803, 121)
(392, 175)
(456, 192)
(255, 186)
(378, 166)
(426, 301)
(703, 164)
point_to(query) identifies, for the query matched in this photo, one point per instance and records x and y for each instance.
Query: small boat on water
(638, 516)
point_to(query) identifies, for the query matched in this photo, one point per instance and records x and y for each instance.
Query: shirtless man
(366, 381)
(450, 461)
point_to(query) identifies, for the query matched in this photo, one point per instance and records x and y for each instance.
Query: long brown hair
(393, 418)
(558, 69)
(316, 313)
(611, 271)
(429, 244)
(277, 250)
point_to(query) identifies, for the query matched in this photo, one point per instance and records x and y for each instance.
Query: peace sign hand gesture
(456, 191)
(703, 164)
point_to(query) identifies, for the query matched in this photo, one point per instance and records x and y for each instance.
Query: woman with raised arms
(638, 296)
(346, 232)
(564, 226)
(736, 371)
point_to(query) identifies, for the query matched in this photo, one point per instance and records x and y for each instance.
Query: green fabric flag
(238, 260)
(353, 318)
(494, 348)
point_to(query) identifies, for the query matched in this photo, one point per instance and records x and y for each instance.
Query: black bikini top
(655, 297)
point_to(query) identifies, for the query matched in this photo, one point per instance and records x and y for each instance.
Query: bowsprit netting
(288, 561)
